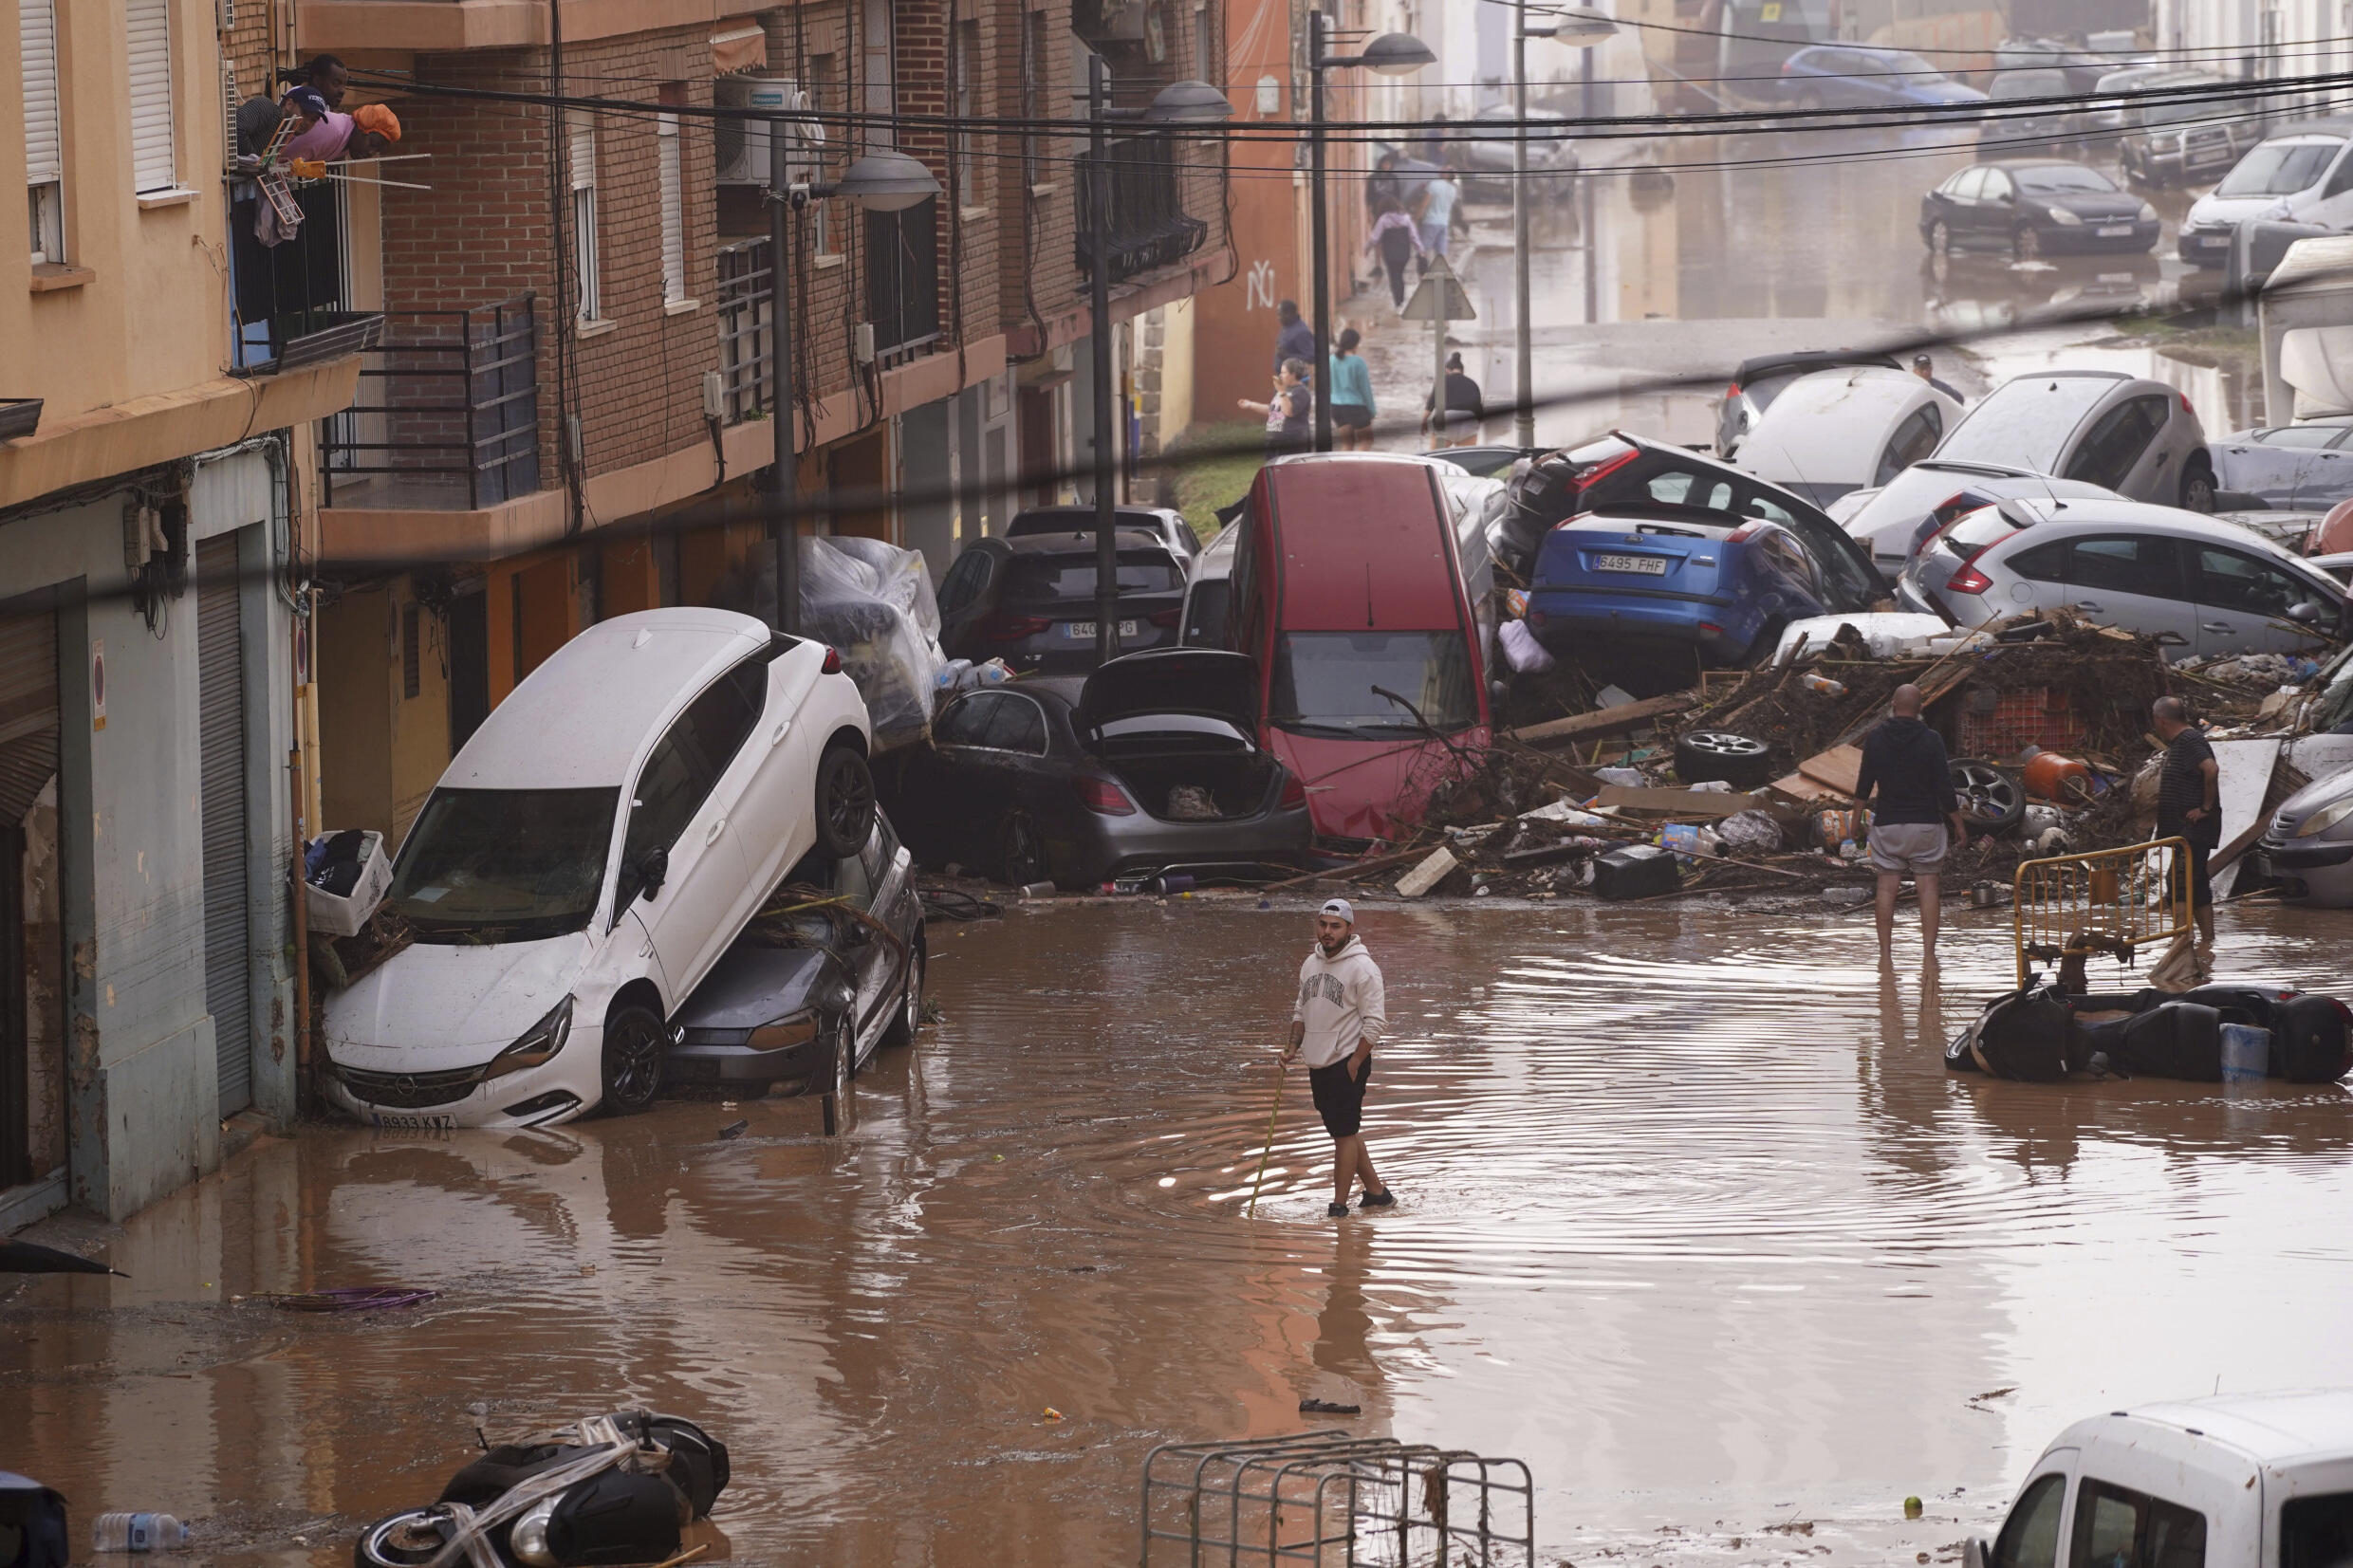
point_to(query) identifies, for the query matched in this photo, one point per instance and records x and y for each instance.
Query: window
(965, 722)
(2117, 1529)
(1914, 439)
(963, 582)
(2042, 564)
(147, 94)
(673, 174)
(2118, 440)
(1997, 186)
(2316, 1532)
(1033, 104)
(685, 766)
(2125, 565)
(2340, 178)
(2030, 1536)
(881, 81)
(1205, 65)
(2308, 437)
(519, 865)
(44, 170)
(2229, 580)
(1324, 683)
(823, 81)
(1036, 582)
(584, 161)
(965, 64)
(1018, 725)
(1970, 183)
(1676, 486)
(1783, 551)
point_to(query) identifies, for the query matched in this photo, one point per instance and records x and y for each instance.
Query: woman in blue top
(1351, 394)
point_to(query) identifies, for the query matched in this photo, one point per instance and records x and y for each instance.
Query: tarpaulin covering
(873, 603)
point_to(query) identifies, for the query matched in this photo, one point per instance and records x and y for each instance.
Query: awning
(739, 44)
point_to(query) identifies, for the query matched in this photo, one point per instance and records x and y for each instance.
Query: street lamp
(1178, 103)
(1391, 54)
(884, 181)
(1580, 27)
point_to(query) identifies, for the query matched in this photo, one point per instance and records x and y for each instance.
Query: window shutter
(583, 150)
(673, 210)
(148, 94)
(37, 28)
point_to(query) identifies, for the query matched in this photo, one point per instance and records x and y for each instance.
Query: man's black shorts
(2189, 877)
(1339, 1098)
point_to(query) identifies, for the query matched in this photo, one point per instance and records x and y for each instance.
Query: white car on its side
(586, 859)
(1834, 431)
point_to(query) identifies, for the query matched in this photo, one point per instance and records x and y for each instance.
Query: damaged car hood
(432, 1008)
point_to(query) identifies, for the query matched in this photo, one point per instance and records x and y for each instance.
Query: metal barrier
(2114, 901)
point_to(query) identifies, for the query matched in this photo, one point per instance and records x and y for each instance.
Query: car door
(1996, 211)
(2332, 207)
(2133, 581)
(678, 809)
(772, 817)
(2271, 465)
(2110, 452)
(862, 881)
(2032, 1536)
(2329, 477)
(2243, 602)
(943, 818)
(1964, 197)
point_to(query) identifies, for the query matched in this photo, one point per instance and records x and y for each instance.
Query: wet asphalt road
(1693, 1221)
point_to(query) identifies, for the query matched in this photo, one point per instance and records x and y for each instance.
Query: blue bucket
(2246, 1054)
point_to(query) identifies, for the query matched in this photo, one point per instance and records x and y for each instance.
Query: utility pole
(1318, 227)
(1523, 326)
(784, 527)
(1099, 303)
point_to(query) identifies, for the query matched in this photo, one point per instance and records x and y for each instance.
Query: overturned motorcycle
(614, 1489)
(2042, 1034)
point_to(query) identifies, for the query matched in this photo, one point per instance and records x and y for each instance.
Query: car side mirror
(2303, 614)
(653, 870)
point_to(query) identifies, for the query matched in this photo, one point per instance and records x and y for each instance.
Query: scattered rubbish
(351, 1299)
(1326, 1407)
(1913, 1509)
(1688, 841)
(346, 875)
(1752, 831)
(1429, 874)
(1191, 803)
(2246, 1054)
(1037, 890)
(873, 603)
(735, 1129)
(1628, 778)
(1822, 684)
(32, 1258)
(1052, 1415)
(1612, 697)
(1521, 650)
(1846, 896)
(1637, 871)
(2051, 777)
(138, 1533)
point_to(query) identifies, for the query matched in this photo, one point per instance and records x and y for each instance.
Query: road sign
(1440, 297)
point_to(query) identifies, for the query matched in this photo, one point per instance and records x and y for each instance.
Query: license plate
(2115, 230)
(434, 1121)
(2214, 242)
(1649, 565)
(1083, 630)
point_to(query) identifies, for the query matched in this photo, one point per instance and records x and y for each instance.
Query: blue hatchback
(1850, 76)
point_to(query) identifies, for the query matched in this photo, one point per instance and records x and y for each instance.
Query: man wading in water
(1338, 1018)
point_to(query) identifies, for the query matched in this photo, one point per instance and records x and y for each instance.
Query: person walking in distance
(1336, 1021)
(2189, 795)
(1293, 338)
(1396, 240)
(1351, 383)
(1904, 764)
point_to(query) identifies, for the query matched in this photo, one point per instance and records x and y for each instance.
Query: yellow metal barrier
(2112, 900)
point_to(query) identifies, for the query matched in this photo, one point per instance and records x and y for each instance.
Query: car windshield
(2279, 169)
(1035, 579)
(1325, 683)
(1975, 530)
(504, 865)
(2028, 84)
(2063, 179)
(1910, 66)
(2026, 423)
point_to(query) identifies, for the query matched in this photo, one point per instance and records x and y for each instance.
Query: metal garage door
(28, 758)
(221, 728)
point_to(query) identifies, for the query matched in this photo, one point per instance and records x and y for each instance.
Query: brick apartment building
(530, 450)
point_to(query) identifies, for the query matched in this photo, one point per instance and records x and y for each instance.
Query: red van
(1349, 591)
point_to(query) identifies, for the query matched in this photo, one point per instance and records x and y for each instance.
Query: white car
(2304, 174)
(1834, 431)
(588, 856)
(2208, 586)
(2127, 434)
(1894, 520)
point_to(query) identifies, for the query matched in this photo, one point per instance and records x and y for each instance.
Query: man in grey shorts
(1903, 765)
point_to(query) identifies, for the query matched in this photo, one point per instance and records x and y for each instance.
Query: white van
(2304, 174)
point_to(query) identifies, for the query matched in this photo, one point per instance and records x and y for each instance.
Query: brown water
(1692, 1220)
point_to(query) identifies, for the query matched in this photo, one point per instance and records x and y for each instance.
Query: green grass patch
(1214, 465)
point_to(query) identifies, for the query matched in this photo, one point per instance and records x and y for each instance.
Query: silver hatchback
(2208, 587)
(2137, 438)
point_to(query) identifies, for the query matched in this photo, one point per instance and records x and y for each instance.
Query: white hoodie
(1339, 1002)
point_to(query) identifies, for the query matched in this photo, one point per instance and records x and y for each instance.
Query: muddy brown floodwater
(1693, 1221)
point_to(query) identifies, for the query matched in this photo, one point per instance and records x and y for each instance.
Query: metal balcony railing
(289, 300)
(447, 414)
(1149, 226)
(747, 303)
(902, 282)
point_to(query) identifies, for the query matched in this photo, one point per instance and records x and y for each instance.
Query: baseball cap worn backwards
(1339, 909)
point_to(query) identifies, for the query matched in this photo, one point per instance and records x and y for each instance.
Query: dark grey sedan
(1031, 602)
(2028, 209)
(1149, 764)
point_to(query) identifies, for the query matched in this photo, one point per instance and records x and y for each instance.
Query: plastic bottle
(137, 1533)
(1822, 684)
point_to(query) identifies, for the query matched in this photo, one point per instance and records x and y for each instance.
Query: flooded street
(1692, 1220)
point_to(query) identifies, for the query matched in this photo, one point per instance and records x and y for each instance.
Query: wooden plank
(1608, 721)
(1838, 769)
(1427, 874)
(1675, 802)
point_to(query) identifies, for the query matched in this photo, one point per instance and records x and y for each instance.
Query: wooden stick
(1354, 869)
(1281, 1070)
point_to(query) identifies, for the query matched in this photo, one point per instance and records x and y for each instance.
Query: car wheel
(635, 1042)
(1704, 756)
(1939, 239)
(1021, 851)
(844, 1054)
(1991, 801)
(405, 1540)
(2025, 244)
(910, 1015)
(2197, 487)
(844, 802)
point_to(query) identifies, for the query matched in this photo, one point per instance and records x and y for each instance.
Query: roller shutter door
(28, 758)
(220, 728)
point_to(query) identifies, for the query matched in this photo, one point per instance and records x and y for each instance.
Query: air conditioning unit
(740, 145)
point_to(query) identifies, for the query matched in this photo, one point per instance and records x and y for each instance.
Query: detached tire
(844, 802)
(1711, 756)
(1991, 802)
(635, 1044)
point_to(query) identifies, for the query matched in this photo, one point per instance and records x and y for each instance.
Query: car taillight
(2186, 408)
(1593, 471)
(1969, 580)
(1732, 392)
(1004, 628)
(1708, 629)
(1165, 618)
(1294, 792)
(833, 660)
(1743, 533)
(1102, 796)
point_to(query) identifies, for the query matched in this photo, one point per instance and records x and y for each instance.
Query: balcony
(447, 418)
(746, 299)
(903, 294)
(1149, 227)
(289, 299)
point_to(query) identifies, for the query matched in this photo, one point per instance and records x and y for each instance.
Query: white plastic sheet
(873, 603)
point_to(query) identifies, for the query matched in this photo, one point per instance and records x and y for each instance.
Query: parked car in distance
(1759, 381)
(2301, 174)
(1165, 521)
(2238, 1481)
(2046, 123)
(2137, 438)
(2306, 465)
(1030, 601)
(2028, 209)
(1857, 75)
(2308, 845)
(807, 998)
(1896, 519)
(585, 861)
(2082, 68)
(1152, 763)
(1209, 592)
(1351, 593)
(2177, 135)
(1835, 430)
(1485, 159)
(2209, 587)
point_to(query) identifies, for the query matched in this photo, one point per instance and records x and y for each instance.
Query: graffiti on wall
(1260, 280)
